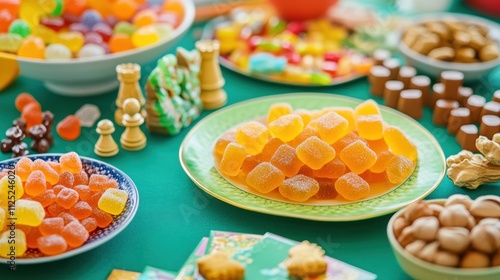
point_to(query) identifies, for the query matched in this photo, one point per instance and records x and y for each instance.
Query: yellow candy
(286, 127)
(11, 188)
(113, 201)
(145, 36)
(344, 66)
(3, 217)
(48, 35)
(227, 32)
(278, 110)
(73, 40)
(253, 136)
(331, 127)
(232, 159)
(368, 107)
(315, 152)
(10, 70)
(29, 212)
(6, 243)
(370, 127)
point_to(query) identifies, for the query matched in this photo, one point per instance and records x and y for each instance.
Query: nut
(415, 247)
(436, 209)
(485, 238)
(406, 237)
(487, 206)
(496, 259)
(455, 215)
(490, 221)
(459, 199)
(446, 258)
(399, 224)
(429, 251)
(453, 239)
(473, 259)
(426, 228)
(417, 210)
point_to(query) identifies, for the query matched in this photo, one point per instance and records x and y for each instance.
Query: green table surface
(174, 214)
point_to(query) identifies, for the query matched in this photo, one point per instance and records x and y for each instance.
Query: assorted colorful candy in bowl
(311, 52)
(65, 29)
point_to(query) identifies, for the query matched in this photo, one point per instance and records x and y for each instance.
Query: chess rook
(128, 75)
(210, 76)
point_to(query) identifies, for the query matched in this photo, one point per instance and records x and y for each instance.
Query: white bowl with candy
(456, 238)
(74, 67)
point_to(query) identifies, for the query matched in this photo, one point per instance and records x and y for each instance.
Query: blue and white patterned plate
(98, 236)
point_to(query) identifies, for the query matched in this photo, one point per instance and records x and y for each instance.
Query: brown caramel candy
(458, 117)
(422, 83)
(393, 65)
(379, 75)
(442, 111)
(490, 125)
(405, 74)
(442, 53)
(496, 96)
(452, 81)
(491, 108)
(410, 102)
(466, 55)
(466, 137)
(391, 93)
(488, 52)
(380, 55)
(463, 94)
(437, 93)
(475, 104)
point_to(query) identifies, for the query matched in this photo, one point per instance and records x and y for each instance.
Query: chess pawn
(128, 75)
(133, 138)
(106, 145)
(210, 76)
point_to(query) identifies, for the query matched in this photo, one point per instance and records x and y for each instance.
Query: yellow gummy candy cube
(28, 212)
(10, 249)
(287, 127)
(11, 188)
(113, 201)
(253, 136)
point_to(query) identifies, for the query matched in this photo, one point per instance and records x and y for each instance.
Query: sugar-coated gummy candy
(81, 178)
(368, 107)
(32, 47)
(326, 189)
(52, 225)
(71, 162)
(352, 187)
(305, 115)
(223, 141)
(3, 217)
(358, 157)
(31, 115)
(285, 158)
(399, 143)
(94, 198)
(345, 141)
(370, 127)
(383, 159)
(332, 169)
(299, 188)
(22, 100)
(69, 128)
(307, 132)
(378, 146)
(278, 110)
(91, 50)
(348, 114)
(90, 224)
(55, 209)
(75, 234)
(111, 184)
(32, 234)
(315, 152)
(331, 127)
(250, 163)
(57, 51)
(53, 244)
(35, 184)
(29, 212)
(145, 36)
(67, 217)
(10, 42)
(83, 191)
(66, 179)
(5, 245)
(232, 159)
(253, 136)
(265, 177)
(81, 210)
(56, 166)
(113, 201)
(6, 184)
(57, 189)
(270, 148)
(102, 218)
(46, 198)
(67, 198)
(50, 174)
(399, 169)
(286, 127)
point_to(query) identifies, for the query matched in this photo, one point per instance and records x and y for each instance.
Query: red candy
(69, 128)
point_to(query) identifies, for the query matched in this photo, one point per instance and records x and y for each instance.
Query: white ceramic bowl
(91, 76)
(433, 67)
(420, 269)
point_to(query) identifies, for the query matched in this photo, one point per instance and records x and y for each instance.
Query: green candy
(58, 10)
(276, 26)
(269, 46)
(124, 27)
(20, 27)
(321, 78)
(10, 42)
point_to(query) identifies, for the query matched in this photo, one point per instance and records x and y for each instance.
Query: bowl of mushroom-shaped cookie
(433, 43)
(456, 238)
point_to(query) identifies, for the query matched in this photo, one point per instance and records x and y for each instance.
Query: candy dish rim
(414, 261)
(189, 14)
(255, 203)
(465, 67)
(86, 246)
(208, 34)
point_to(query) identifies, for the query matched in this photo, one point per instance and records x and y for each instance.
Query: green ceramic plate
(196, 158)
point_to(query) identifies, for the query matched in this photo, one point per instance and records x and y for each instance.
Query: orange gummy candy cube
(368, 107)
(326, 189)
(345, 141)
(345, 112)
(332, 169)
(23, 168)
(315, 152)
(399, 143)
(52, 244)
(278, 110)
(383, 159)
(66, 179)
(232, 159)
(399, 169)
(253, 136)
(52, 225)
(305, 115)
(331, 127)
(71, 162)
(50, 174)
(307, 132)
(378, 145)
(249, 163)
(299, 188)
(75, 234)
(223, 141)
(269, 149)
(286, 127)
(89, 223)
(265, 177)
(46, 198)
(370, 127)
(35, 184)
(352, 187)
(358, 157)
(286, 160)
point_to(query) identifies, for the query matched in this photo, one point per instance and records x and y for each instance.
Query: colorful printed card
(189, 270)
(267, 262)
(231, 243)
(152, 273)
